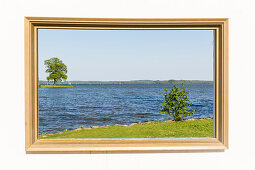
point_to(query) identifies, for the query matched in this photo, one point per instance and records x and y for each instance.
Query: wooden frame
(34, 145)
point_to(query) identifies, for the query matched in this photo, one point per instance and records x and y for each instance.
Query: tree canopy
(57, 70)
(176, 103)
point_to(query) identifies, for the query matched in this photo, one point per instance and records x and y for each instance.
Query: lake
(100, 105)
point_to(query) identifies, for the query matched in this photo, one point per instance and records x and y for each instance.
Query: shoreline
(130, 125)
(52, 86)
(134, 82)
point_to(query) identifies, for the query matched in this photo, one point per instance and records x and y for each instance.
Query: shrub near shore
(155, 129)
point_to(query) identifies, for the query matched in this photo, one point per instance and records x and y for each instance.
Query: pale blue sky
(107, 55)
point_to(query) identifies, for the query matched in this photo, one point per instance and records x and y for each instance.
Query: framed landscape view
(126, 85)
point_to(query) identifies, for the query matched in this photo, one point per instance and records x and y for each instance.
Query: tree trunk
(54, 82)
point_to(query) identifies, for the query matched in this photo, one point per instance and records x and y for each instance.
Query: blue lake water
(100, 105)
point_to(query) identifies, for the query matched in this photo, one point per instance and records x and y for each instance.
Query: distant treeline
(135, 82)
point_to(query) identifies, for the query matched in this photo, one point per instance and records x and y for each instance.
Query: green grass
(52, 86)
(157, 129)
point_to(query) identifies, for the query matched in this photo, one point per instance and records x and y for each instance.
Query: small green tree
(57, 70)
(176, 102)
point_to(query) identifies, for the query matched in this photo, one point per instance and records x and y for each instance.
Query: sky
(123, 55)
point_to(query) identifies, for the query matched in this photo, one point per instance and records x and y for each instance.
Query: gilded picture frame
(34, 145)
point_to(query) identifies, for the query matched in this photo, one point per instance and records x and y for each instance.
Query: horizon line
(133, 80)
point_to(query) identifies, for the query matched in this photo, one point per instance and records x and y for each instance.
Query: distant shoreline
(132, 82)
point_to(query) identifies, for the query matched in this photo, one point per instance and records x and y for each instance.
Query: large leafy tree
(57, 70)
(176, 103)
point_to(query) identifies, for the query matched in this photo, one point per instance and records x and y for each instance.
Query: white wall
(241, 154)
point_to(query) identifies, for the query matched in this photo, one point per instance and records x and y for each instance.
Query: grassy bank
(51, 86)
(157, 129)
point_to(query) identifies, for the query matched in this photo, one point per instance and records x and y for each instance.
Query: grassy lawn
(157, 129)
(51, 86)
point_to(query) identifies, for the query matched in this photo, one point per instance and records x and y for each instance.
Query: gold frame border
(34, 145)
